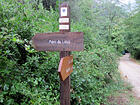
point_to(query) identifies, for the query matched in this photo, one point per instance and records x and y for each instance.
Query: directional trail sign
(65, 42)
(65, 67)
(58, 41)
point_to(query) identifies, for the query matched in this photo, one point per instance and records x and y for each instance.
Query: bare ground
(130, 71)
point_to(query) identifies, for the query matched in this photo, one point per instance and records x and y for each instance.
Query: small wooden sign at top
(64, 19)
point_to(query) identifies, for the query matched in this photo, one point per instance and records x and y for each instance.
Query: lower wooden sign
(58, 41)
(65, 67)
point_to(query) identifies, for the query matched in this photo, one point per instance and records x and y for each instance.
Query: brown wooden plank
(58, 41)
(65, 67)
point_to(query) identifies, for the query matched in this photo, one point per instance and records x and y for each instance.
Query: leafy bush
(26, 75)
(132, 35)
(94, 70)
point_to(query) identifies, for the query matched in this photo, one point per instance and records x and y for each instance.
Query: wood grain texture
(65, 85)
(58, 41)
(65, 67)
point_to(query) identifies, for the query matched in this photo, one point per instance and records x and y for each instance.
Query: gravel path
(131, 72)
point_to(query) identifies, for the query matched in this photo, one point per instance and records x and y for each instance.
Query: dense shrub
(133, 35)
(30, 77)
(94, 70)
(26, 76)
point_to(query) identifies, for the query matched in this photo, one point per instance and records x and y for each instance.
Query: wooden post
(64, 26)
(65, 85)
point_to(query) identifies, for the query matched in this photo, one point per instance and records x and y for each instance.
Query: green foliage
(133, 35)
(28, 77)
(104, 17)
(94, 69)
(118, 37)
(49, 3)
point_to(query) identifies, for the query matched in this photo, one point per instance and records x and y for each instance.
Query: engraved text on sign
(58, 41)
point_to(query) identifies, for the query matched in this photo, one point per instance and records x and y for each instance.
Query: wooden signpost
(63, 41)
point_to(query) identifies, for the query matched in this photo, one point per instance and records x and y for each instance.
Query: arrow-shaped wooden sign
(58, 41)
(65, 67)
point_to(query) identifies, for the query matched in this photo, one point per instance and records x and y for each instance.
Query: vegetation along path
(131, 72)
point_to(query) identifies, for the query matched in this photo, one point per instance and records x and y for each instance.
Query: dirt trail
(131, 72)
